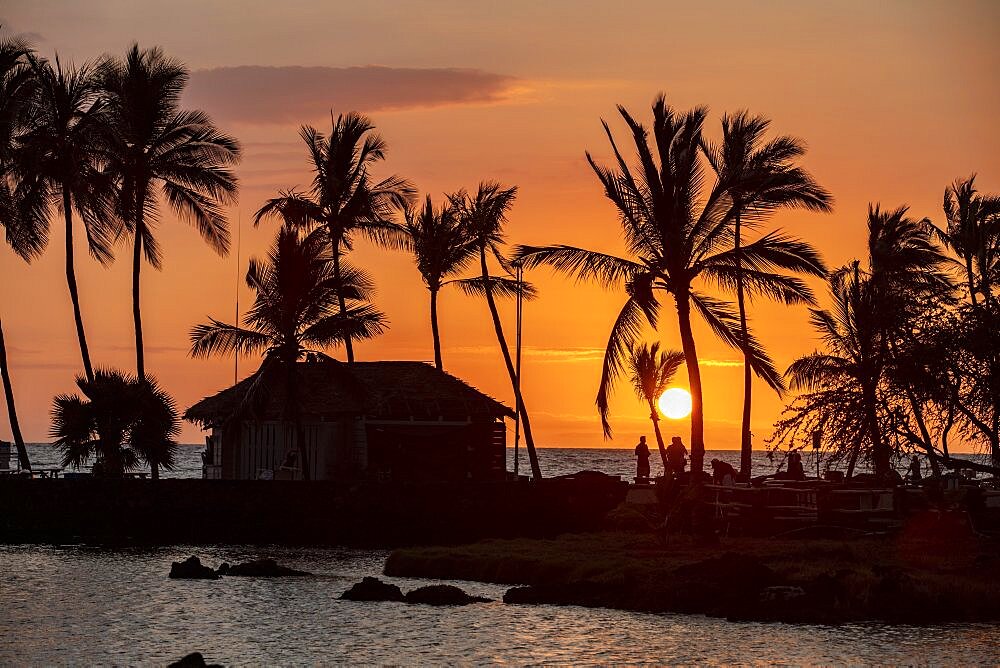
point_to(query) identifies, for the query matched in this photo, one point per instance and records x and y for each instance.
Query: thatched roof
(328, 389)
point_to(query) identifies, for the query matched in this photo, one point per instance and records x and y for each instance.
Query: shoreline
(913, 577)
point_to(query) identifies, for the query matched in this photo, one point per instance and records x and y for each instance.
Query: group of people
(723, 473)
(676, 459)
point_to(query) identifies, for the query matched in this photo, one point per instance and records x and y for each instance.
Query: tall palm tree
(59, 159)
(159, 152)
(972, 232)
(441, 247)
(850, 372)
(484, 214)
(344, 199)
(764, 178)
(678, 231)
(296, 310)
(651, 372)
(25, 234)
(120, 420)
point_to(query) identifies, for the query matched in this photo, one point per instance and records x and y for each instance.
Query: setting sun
(675, 403)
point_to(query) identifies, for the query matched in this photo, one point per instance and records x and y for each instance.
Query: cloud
(266, 95)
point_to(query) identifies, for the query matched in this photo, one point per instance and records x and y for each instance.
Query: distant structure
(390, 420)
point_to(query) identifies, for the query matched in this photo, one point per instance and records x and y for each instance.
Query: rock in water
(442, 595)
(192, 569)
(193, 660)
(261, 568)
(373, 589)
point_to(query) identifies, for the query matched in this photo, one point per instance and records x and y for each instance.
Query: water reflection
(84, 606)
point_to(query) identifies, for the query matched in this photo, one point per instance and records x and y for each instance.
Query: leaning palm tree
(158, 152)
(651, 372)
(441, 247)
(296, 310)
(59, 159)
(763, 179)
(678, 231)
(25, 234)
(344, 199)
(484, 215)
(120, 421)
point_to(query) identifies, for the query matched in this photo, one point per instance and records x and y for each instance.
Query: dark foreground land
(934, 570)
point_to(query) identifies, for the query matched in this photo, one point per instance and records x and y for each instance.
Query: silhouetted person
(642, 459)
(795, 469)
(676, 456)
(913, 473)
(722, 470)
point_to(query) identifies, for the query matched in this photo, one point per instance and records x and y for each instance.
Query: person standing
(913, 473)
(676, 457)
(641, 460)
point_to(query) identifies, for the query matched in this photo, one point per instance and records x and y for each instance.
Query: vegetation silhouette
(651, 372)
(343, 198)
(763, 179)
(298, 295)
(158, 152)
(27, 236)
(121, 421)
(59, 156)
(907, 361)
(678, 231)
(485, 214)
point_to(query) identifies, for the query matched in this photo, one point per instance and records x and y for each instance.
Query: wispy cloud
(266, 95)
(711, 362)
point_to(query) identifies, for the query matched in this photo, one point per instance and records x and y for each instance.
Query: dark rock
(781, 593)
(261, 568)
(373, 589)
(192, 569)
(223, 568)
(442, 595)
(193, 660)
(587, 594)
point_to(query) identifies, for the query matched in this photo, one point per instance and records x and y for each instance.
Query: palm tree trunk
(435, 332)
(8, 391)
(656, 430)
(746, 446)
(529, 441)
(694, 380)
(71, 282)
(140, 359)
(880, 455)
(341, 301)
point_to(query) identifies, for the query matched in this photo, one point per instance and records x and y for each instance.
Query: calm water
(85, 606)
(554, 461)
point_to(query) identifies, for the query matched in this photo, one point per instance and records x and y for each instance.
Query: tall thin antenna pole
(239, 234)
(519, 275)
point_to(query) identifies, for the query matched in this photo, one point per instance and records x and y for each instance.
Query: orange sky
(895, 100)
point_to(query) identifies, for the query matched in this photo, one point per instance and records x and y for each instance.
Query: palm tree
(764, 179)
(59, 159)
(159, 152)
(120, 420)
(26, 235)
(849, 374)
(973, 233)
(441, 247)
(343, 198)
(651, 372)
(874, 314)
(677, 233)
(296, 310)
(484, 215)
